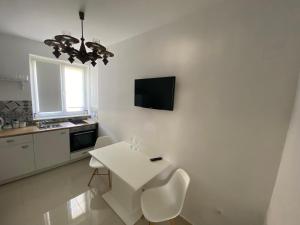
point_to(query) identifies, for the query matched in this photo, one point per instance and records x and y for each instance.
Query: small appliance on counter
(23, 124)
(7, 126)
(15, 124)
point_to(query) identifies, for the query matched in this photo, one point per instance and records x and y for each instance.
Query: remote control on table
(156, 159)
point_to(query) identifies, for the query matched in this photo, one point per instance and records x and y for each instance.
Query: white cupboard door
(51, 148)
(16, 160)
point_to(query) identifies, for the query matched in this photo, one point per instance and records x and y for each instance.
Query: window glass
(49, 87)
(74, 88)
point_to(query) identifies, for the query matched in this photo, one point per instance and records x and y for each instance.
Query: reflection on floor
(59, 197)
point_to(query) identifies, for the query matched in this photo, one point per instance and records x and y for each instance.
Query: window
(58, 88)
(74, 89)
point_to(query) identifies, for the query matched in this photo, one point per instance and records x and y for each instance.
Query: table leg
(124, 200)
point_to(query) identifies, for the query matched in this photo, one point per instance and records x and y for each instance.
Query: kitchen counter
(35, 129)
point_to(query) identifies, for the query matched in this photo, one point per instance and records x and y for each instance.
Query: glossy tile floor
(59, 197)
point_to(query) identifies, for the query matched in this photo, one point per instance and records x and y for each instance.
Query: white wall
(236, 65)
(14, 60)
(285, 204)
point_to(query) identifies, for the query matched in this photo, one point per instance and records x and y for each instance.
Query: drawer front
(15, 140)
(81, 154)
(51, 148)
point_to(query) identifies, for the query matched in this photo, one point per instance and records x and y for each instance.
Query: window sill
(59, 117)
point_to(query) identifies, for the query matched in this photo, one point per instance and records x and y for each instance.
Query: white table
(130, 170)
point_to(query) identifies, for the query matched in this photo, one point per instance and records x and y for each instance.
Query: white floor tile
(59, 197)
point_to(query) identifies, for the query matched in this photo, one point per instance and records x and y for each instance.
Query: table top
(134, 167)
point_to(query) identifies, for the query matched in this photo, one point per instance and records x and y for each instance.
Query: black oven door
(83, 139)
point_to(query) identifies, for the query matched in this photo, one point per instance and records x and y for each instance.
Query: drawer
(81, 154)
(15, 140)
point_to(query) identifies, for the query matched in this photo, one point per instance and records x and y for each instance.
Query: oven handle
(87, 132)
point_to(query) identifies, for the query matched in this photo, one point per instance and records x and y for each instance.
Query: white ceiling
(109, 21)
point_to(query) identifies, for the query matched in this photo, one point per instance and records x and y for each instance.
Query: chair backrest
(177, 187)
(103, 141)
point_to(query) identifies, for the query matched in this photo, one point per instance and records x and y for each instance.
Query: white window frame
(37, 115)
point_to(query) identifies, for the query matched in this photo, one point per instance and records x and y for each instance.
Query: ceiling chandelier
(63, 44)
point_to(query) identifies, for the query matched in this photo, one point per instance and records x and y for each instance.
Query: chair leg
(109, 179)
(94, 172)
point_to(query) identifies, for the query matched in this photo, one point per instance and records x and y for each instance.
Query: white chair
(94, 163)
(165, 203)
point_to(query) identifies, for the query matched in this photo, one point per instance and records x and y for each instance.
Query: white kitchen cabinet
(51, 148)
(16, 156)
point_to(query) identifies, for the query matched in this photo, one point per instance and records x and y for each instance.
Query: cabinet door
(51, 148)
(16, 160)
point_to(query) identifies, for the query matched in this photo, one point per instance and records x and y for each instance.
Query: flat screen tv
(155, 93)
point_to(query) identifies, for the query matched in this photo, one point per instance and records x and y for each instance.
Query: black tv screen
(155, 93)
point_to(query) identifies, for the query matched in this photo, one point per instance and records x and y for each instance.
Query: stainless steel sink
(49, 126)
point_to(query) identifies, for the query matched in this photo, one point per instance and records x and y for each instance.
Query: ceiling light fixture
(63, 44)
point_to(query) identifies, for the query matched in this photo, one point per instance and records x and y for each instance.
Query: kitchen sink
(49, 126)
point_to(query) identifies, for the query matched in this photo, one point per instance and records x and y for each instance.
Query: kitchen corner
(34, 149)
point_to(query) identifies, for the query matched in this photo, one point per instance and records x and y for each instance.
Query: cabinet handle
(10, 141)
(25, 146)
(83, 153)
(62, 132)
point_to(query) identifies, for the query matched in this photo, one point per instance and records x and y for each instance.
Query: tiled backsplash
(20, 110)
